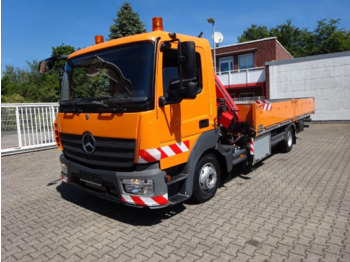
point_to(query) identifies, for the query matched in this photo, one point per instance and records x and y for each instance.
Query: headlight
(138, 186)
(64, 173)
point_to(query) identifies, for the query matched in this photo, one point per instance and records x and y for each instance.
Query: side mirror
(174, 93)
(191, 90)
(187, 69)
(47, 65)
(185, 85)
(187, 60)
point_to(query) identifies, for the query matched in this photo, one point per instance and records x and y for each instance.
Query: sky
(30, 28)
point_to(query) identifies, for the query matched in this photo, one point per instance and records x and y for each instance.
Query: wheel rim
(290, 138)
(208, 177)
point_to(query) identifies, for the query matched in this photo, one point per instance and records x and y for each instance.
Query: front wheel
(206, 178)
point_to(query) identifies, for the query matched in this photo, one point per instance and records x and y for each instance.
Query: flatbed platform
(266, 114)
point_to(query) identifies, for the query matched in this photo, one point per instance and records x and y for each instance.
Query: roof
(309, 58)
(256, 41)
(249, 42)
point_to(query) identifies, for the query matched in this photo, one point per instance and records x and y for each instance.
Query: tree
(255, 32)
(59, 67)
(28, 85)
(294, 39)
(19, 85)
(62, 50)
(127, 23)
(9, 85)
(326, 38)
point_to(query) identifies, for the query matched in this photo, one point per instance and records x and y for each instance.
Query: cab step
(177, 178)
(178, 198)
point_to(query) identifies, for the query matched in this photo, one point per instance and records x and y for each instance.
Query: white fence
(242, 76)
(26, 127)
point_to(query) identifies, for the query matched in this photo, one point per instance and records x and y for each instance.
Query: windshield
(117, 79)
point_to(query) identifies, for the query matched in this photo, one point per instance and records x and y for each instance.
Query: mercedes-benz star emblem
(88, 143)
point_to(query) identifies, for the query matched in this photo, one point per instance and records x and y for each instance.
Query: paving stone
(232, 250)
(277, 257)
(265, 250)
(331, 256)
(225, 257)
(292, 207)
(259, 258)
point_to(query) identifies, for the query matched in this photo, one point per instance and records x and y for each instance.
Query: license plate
(91, 179)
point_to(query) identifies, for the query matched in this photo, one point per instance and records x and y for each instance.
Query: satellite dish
(218, 37)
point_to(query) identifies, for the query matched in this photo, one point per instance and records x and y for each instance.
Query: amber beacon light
(99, 39)
(157, 23)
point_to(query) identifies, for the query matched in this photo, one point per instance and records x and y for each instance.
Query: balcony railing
(242, 76)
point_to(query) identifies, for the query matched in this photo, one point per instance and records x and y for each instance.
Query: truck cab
(133, 111)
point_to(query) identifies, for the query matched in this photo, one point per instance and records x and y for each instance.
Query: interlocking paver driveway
(293, 207)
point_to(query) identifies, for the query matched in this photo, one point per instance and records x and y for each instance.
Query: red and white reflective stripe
(267, 104)
(145, 201)
(267, 107)
(149, 155)
(64, 178)
(262, 101)
(251, 146)
(156, 154)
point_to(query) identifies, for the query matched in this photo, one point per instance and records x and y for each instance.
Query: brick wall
(281, 52)
(264, 51)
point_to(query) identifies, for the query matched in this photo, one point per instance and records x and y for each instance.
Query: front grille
(109, 153)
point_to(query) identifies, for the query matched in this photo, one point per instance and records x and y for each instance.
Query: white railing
(26, 127)
(242, 76)
(250, 98)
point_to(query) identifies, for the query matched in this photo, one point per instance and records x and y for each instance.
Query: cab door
(180, 124)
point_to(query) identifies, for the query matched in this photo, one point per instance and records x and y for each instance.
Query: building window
(226, 64)
(246, 61)
(249, 94)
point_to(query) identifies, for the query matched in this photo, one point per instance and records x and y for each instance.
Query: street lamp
(211, 21)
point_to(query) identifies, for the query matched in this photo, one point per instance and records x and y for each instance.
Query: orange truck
(144, 121)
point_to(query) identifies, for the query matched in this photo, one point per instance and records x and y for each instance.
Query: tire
(206, 178)
(286, 145)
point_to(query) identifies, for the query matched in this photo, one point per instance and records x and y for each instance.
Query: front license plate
(91, 179)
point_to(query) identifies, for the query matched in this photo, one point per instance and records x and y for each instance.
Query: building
(324, 77)
(241, 67)
(264, 68)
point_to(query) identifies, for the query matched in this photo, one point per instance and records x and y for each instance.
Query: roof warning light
(99, 39)
(157, 24)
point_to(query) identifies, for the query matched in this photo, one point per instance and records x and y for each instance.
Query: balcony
(242, 76)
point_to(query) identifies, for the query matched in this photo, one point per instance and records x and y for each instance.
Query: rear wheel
(287, 144)
(206, 178)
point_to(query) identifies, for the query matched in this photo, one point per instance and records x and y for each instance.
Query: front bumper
(108, 184)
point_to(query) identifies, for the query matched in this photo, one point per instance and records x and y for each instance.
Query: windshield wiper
(108, 106)
(101, 106)
(75, 108)
(115, 75)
